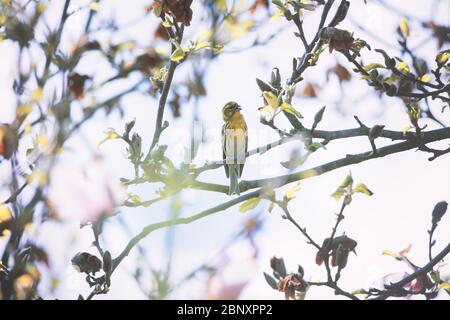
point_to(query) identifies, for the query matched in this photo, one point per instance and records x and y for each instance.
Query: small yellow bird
(234, 144)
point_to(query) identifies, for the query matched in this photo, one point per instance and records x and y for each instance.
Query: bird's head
(229, 110)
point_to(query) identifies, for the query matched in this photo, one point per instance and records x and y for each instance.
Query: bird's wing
(241, 167)
(224, 143)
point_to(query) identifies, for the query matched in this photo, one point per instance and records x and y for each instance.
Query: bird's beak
(238, 107)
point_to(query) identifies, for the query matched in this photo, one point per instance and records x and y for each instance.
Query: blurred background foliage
(80, 62)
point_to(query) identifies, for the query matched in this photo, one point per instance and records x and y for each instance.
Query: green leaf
(111, 134)
(203, 45)
(362, 188)
(178, 55)
(406, 129)
(292, 191)
(348, 181)
(341, 190)
(271, 99)
(249, 204)
(280, 5)
(435, 276)
(391, 254)
(277, 15)
(372, 66)
(338, 193)
(290, 109)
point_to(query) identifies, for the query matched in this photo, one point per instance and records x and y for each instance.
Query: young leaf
(271, 99)
(445, 285)
(249, 204)
(362, 188)
(391, 254)
(347, 181)
(280, 5)
(277, 15)
(435, 276)
(372, 66)
(404, 27)
(292, 191)
(338, 193)
(406, 129)
(403, 67)
(178, 55)
(110, 135)
(290, 109)
(425, 78)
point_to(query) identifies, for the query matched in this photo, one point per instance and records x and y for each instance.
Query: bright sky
(406, 186)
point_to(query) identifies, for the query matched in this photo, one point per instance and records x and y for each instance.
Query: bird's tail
(234, 180)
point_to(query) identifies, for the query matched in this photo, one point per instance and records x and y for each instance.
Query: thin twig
(288, 216)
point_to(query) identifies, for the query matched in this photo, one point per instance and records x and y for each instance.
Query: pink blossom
(83, 194)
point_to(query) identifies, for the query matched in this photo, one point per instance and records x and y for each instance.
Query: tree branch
(159, 128)
(152, 227)
(430, 136)
(419, 272)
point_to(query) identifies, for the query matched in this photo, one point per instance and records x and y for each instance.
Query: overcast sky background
(406, 186)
